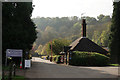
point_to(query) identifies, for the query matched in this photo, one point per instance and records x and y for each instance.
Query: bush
(54, 58)
(89, 59)
(58, 58)
(44, 57)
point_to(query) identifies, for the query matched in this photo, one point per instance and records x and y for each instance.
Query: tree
(57, 46)
(104, 37)
(100, 17)
(96, 37)
(90, 20)
(114, 43)
(18, 30)
(70, 28)
(39, 50)
(76, 29)
(106, 19)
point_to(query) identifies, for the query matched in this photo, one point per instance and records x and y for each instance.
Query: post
(51, 51)
(66, 49)
(10, 72)
(6, 60)
(14, 69)
(3, 73)
(66, 57)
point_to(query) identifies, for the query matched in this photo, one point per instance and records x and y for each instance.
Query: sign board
(14, 53)
(27, 63)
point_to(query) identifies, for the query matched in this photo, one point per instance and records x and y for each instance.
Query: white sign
(14, 53)
(27, 63)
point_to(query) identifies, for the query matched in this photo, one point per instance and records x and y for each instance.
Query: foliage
(70, 28)
(39, 49)
(100, 17)
(116, 65)
(114, 42)
(18, 30)
(57, 46)
(102, 37)
(54, 58)
(44, 57)
(58, 58)
(89, 59)
(46, 50)
(16, 78)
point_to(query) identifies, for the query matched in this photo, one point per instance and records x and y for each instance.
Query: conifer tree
(114, 43)
(18, 30)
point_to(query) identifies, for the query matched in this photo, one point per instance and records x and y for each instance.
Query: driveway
(46, 69)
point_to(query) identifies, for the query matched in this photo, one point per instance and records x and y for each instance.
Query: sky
(68, 8)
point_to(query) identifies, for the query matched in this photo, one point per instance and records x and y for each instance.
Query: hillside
(70, 28)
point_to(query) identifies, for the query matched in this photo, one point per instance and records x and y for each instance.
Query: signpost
(27, 63)
(13, 53)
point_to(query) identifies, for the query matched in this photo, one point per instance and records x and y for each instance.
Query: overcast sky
(67, 8)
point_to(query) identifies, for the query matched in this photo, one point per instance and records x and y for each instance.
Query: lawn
(6, 68)
(16, 78)
(0, 77)
(116, 65)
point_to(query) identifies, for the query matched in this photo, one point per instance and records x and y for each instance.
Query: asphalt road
(46, 69)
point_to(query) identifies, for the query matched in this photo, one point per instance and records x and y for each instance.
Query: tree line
(70, 28)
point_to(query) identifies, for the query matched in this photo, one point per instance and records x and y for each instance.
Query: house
(85, 44)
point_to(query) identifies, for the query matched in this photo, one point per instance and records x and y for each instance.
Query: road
(46, 69)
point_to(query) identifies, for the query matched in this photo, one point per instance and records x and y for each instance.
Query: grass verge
(115, 65)
(16, 78)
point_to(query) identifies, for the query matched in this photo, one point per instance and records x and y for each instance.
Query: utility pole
(51, 50)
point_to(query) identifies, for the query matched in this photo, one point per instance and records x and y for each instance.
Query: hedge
(44, 57)
(56, 58)
(89, 59)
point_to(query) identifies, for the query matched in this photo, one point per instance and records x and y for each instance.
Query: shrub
(54, 58)
(58, 58)
(44, 57)
(89, 59)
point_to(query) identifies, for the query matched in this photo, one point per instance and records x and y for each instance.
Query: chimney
(83, 28)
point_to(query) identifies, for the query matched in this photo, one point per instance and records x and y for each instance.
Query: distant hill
(70, 28)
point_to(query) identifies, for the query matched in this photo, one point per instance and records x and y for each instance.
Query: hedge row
(44, 57)
(54, 58)
(89, 59)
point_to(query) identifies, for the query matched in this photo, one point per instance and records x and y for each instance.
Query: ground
(46, 69)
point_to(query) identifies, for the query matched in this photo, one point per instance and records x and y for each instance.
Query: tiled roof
(85, 44)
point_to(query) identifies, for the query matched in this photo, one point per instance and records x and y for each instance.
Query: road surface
(46, 69)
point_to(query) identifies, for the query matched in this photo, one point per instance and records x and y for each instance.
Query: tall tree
(115, 33)
(57, 46)
(100, 17)
(18, 30)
